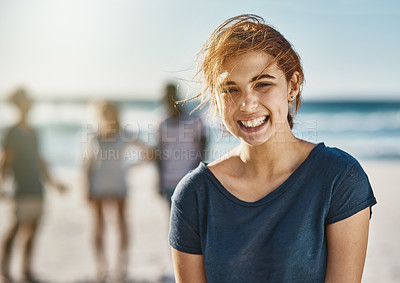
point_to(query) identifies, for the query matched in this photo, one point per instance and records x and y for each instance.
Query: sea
(365, 129)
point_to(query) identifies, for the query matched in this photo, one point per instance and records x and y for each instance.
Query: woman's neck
(22, 122)
(272, 157)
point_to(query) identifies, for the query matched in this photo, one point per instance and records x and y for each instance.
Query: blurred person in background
(110, 152)
(181, 145)
(21, 160)
(182, 142)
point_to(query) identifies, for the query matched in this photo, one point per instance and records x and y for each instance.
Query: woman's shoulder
(18, 133)
(191, 184)
(194, 177)
(8, 132)
(334, 156)
(14, 130)
(334, 164)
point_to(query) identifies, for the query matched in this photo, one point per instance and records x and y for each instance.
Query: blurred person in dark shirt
(22, 161)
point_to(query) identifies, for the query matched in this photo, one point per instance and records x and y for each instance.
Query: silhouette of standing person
(22, 160)
(182, 142)
(105, 172)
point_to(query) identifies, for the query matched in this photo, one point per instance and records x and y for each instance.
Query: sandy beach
(383, 263)
(64, 250)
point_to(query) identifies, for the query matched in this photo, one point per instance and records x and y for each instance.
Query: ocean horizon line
(117, 99)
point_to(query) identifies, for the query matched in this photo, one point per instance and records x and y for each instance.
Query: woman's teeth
(254, 123)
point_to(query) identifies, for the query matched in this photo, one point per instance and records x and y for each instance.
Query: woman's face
(24, 104)
(254, 102)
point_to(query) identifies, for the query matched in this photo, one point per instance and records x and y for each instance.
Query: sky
(130, 48)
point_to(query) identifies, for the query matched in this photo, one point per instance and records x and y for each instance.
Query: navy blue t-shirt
(279, 238)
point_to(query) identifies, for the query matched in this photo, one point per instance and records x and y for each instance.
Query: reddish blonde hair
(239, 35)
(106, 108)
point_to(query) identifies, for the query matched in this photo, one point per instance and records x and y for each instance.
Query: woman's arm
(87, 169)
(43, 166)
(188, 268)
(347, 247)
(6, 161)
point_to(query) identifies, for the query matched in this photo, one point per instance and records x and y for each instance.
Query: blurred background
(70, 53)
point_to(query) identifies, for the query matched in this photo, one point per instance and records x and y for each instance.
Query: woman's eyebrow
(228, 83)
(259, 77)
(263, 76)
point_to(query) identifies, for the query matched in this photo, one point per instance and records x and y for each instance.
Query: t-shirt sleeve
(352, 194)
(184, 234)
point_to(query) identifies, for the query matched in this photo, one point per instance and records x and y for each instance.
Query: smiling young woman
(276, 208)
(254, 104)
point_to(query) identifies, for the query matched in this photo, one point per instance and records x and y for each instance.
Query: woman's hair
(109, 116)
(171, 98)
(18, 96)
(239, 35)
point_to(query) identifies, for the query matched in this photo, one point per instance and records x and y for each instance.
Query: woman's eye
(261, 84)
(231, 90)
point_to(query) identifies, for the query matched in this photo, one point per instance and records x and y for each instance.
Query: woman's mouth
(254, 124)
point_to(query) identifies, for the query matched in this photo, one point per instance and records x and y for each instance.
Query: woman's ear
(294, 86)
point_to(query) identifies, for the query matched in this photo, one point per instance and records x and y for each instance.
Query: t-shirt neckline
(272, 195)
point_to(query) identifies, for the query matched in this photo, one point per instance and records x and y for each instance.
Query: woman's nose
(249, 103)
